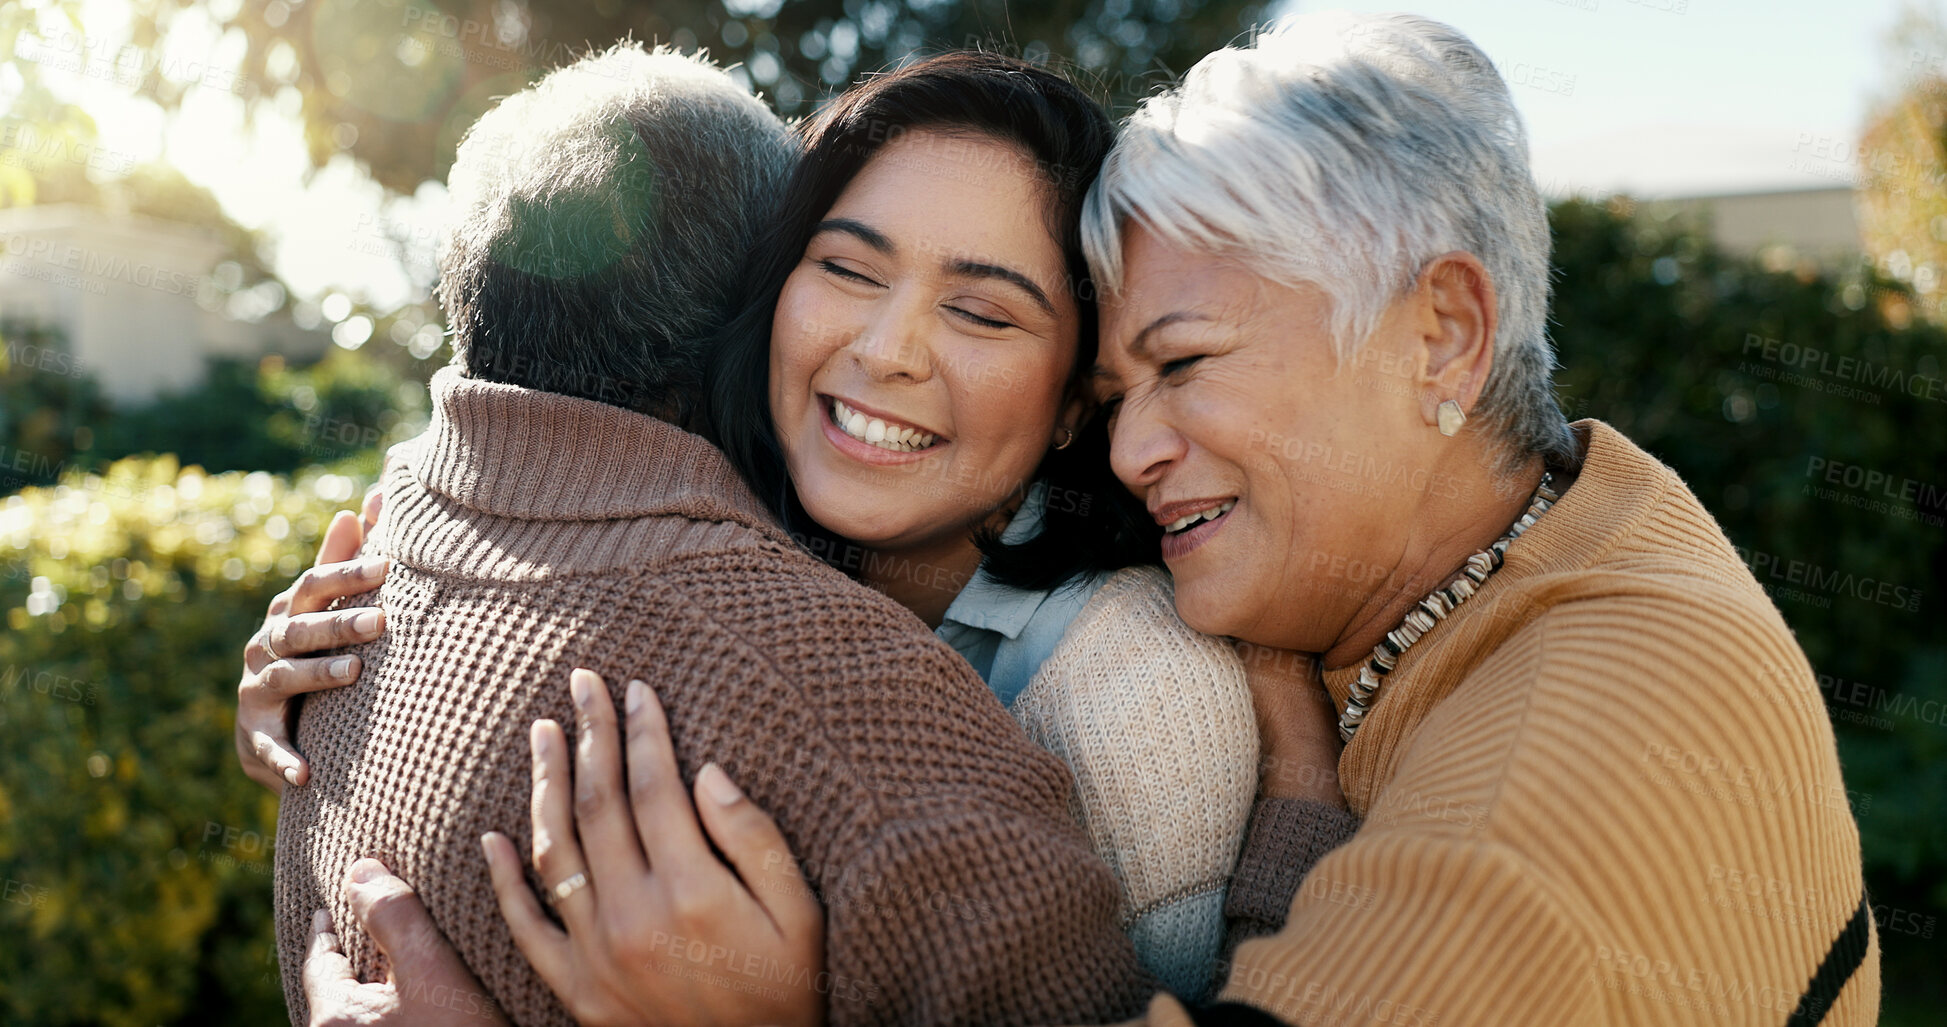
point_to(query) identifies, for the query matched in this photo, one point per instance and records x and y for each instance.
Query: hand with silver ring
(569, 886)
(633, 869)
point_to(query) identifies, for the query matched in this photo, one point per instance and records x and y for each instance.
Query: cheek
(1023, 387)
(1004, 400)
(804, 334)
(1013, 396)
(1231, 421)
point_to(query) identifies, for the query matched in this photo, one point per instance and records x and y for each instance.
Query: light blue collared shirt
(1006, 632)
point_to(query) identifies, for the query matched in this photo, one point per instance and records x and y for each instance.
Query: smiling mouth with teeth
(1183, 524)
(875, 432)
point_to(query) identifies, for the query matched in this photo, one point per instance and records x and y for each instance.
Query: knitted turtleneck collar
(508, 451)
(522, 484)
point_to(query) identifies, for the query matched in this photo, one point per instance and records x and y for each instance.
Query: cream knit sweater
(1155, 721)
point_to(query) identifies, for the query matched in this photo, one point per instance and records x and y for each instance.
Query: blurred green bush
(244, 416)
(134, 861)
(1808, 411)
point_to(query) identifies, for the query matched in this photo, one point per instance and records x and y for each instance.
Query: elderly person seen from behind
(1325, 272)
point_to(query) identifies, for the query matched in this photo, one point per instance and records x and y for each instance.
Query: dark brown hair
(1091, 522)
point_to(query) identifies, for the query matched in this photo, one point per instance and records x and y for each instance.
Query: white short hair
(1345, 151)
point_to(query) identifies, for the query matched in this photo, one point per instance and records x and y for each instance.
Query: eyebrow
(859, 230)
(1139, 346)
(976, 269)
(963, 268)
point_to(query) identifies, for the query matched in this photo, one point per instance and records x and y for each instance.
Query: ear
(1457, 318)
(1075, 409)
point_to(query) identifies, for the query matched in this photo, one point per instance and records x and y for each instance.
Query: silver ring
(569, 887)
(269, 648)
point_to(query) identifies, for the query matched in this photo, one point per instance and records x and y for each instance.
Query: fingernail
(341, 668)
(633, 701)
(320, 922)
(290, 774)
(486, 846)
(366, 871)
(366, 623)
(718, 785)
(581, 685)
(374, 569)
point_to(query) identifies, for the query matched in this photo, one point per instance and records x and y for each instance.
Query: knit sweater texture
(533, 533)
(1603, 791)
(1155, 721)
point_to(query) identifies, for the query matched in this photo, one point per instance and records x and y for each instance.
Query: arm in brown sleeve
(1287, 837)
(988, 917)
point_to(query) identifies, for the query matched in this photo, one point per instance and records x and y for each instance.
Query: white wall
(132, 296)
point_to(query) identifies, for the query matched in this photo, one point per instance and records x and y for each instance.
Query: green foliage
(226, 423)
(261, 416)
(1902, 158)
(134, 855)
(1806, 410)
(396, 83)
(37, 121)
(47, 404)
(244, 416)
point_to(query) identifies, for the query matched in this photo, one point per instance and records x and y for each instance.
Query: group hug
(958, 560)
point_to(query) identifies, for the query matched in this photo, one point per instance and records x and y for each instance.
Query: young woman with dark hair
(906, 386)
(984, 106)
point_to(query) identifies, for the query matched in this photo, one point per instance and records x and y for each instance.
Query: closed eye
(1174, 367)
(832, 268)
(984, 322)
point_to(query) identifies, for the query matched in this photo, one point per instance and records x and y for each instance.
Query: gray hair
(1345, 151)
(601, 218)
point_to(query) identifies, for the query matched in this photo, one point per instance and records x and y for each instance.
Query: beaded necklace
(1434, 609)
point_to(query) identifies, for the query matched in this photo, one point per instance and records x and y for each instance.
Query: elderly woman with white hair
(1324, 276)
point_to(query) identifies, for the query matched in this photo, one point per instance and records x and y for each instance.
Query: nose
(1143, 445)
(893, 348)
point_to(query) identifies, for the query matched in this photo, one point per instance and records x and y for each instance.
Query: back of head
(600, 218)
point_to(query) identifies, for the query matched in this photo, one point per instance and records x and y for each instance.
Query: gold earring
(1451, 418)
(1067, 437)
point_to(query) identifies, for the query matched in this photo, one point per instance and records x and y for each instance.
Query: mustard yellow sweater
(1603, 791)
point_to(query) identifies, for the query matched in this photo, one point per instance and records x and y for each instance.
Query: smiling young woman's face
(921, 349)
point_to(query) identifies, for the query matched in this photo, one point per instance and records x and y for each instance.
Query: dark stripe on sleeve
(1232, 1014)
(1841, 960)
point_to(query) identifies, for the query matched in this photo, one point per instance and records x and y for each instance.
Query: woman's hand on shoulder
(1298, 730)
(658, 929)
(278, 662)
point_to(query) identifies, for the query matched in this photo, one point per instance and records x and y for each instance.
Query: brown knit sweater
(533, 533)
(1602, 791)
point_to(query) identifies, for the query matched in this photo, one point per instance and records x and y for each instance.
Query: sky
(1651, 97)
(1681, 97)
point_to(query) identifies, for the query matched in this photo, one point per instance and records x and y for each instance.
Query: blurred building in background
(1821, 224)
(140, 304)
